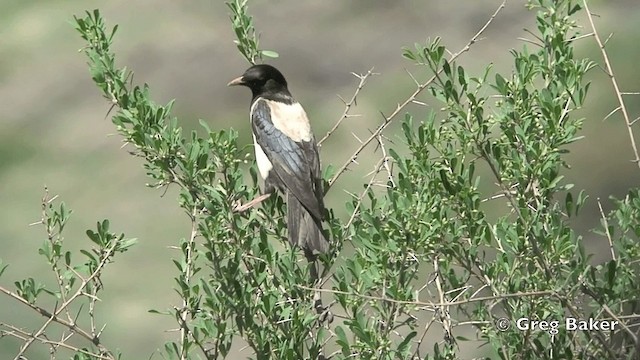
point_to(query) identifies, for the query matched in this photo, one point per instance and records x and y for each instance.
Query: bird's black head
(264, 81)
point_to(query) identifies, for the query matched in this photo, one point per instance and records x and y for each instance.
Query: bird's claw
(239, 207)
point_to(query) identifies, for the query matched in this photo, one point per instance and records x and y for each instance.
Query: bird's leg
(257, 200)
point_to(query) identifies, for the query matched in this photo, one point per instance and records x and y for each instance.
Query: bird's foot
(242, 208)
(325, 315)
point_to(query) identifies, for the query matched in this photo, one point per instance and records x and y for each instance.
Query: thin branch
(580, 37)
(385, 161)
(431, 305)
(611, 113)
(624, 326)
(348, 104)
(24, 336)
(387, 119)
(597, 335)
(422, 337)
(356, 209)
(445, 317)
(614, 82)
(184, 329)
(54, 316)
(606, 229)
(51, 238)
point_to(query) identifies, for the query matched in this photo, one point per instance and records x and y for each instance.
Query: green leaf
(3, 267)
(166, 312)
(172, 350)
(404, 345)
(612, 268)
(329, 172)
(408, 54)
(342, 341)
(94, 237)
(501, 84)
(89, 255)
(126, 244)
(568, 203)
(269, 53)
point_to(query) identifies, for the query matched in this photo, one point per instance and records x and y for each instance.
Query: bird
(286, 155)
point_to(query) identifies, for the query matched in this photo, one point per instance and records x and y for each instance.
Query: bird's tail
(305, 231)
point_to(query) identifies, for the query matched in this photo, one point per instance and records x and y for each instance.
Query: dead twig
(609, 70)
(421, 87)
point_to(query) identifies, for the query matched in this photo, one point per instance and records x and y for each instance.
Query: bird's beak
(236, 81)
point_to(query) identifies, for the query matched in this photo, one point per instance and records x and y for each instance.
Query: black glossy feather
(295, 164)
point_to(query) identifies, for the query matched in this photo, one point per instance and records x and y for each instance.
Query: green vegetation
(423, 263)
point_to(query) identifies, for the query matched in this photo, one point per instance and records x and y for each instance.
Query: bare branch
(606, 229)
(445, 317)
(184, 312)
(431, 306)
(348, 104)
(24, 336)
(385, 161)
(614, 82)
(55, 316)
(71, 326)
(387, 119)
(375, 173)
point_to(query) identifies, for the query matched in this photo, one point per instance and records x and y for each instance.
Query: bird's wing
(311, 151)
(296, 163)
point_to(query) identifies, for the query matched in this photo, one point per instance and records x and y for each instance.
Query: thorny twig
(429, 305)
(24, 336)
(387, 119)
(605, 223)
(188, 272)
(374, 173)
(609, 70)
(349, 104)
(445, 317)
(55, 316)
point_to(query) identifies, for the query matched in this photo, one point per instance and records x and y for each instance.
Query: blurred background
(55, 131)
